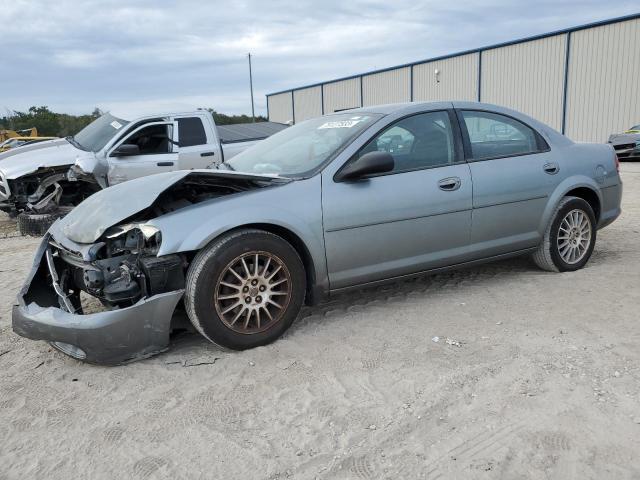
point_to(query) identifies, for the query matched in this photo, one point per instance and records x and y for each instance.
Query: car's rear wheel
(570, 237)
(245, 289)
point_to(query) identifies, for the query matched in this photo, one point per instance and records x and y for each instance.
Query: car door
(196, 149)
(414, 218)
(514, 173)
(157, 152)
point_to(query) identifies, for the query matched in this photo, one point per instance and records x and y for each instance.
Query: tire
(552, 255)
(37, 224)
(212, 289)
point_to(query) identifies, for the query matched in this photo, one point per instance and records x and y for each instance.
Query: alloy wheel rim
(253, 292)
(574, 236)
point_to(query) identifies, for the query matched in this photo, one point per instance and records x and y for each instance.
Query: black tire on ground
(548, 256)
(37, 224)
(210, 271)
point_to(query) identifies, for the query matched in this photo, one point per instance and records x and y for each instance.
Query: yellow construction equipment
(27, 132)
(14, 141)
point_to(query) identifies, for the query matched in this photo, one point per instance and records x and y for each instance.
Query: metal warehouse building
(583, 81)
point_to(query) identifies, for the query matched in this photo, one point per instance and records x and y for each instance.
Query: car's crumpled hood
(106, 208)
(28, 159)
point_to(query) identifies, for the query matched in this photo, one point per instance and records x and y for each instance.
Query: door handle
(449, 184)
(207, 154)
(551, 168)
(165, 164)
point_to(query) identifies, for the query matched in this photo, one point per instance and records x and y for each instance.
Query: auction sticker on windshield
(116, 125)
(339, 124)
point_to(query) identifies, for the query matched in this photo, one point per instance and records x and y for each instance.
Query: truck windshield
(302, 149)
(97, 134)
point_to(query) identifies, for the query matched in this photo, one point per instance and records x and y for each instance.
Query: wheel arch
(590, 196)
(315, 292)
(312, 295)
(580, 186)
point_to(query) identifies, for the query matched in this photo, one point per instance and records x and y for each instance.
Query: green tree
(51, 124)
(48, 123)
(222, 119)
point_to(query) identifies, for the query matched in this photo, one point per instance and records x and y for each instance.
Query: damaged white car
(48, 179)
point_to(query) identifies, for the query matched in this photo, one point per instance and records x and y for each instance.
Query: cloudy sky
(177, 54)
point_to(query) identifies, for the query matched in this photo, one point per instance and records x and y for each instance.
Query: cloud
(77, 55)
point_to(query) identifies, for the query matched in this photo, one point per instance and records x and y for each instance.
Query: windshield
(303, 148)
(97, 134)
(635, 127)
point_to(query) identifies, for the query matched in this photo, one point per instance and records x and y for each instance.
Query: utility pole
(253, 113)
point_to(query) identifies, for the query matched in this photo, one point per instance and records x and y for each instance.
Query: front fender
(568, 184)
(295, 207)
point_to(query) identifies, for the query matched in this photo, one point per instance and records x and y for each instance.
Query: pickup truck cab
(114, 149)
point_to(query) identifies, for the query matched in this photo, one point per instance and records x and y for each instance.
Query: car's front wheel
(570, 237)
(245, 289)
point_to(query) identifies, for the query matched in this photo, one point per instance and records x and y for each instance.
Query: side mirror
(368, 164)
(126, 150)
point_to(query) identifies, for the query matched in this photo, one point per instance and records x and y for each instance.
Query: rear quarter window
(492, 135)
(191, 132)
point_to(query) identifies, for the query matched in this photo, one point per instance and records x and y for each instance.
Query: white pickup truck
(42, 178)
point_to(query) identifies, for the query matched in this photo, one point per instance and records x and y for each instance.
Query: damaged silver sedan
(109, 295)
(333, 203)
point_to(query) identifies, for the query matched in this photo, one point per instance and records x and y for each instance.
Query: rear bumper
(611, 200)
(110, 337)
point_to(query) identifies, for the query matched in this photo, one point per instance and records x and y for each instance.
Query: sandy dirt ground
(545, 383)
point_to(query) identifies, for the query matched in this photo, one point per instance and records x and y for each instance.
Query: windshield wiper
(225, 166)
(74, 142)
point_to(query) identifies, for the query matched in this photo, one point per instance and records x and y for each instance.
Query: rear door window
(191, 132)
(492, 135)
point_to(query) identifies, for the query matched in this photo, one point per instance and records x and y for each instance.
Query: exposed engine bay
(47, 189)
(122, 266)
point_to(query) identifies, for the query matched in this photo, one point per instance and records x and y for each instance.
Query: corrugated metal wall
(307, 103)
(342, 95)
(280, 107)
(457, 79)
(393, 86)
(528, 77)
(604, 81)
(602, 74)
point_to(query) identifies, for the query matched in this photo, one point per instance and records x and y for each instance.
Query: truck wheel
(569, 239)
(245, 289)
(37, 224)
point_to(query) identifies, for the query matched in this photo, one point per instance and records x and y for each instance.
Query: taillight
(615, 158)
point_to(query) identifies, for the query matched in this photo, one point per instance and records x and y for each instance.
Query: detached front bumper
(110, 337)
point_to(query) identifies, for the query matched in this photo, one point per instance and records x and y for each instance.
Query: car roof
(390, 108)
(140, 114)
(410, 107)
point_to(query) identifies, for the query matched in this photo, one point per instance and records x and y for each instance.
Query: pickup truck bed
(244, 132)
